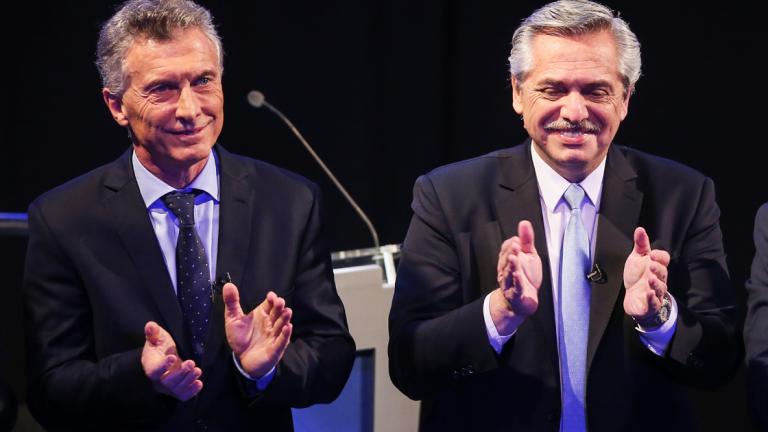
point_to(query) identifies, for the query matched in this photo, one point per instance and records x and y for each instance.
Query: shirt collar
(552, 185)
(152, 188)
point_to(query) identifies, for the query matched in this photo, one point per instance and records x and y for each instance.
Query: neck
(177, 174)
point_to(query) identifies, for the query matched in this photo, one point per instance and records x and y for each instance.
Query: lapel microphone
(218, 284)
(597, 275)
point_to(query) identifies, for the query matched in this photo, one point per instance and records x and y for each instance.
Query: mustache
(583, 126)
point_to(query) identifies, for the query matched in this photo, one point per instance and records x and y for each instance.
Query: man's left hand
(645, 278)
(258, 339)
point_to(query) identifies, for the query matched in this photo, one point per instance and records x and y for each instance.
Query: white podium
(367, 301)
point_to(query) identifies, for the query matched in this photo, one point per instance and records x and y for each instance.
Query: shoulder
(662, 170)
(86, 189)
(476, 166)
(265, 176)
(478, 173)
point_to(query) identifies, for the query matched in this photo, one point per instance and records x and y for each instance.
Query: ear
(625, 103)
(115, 105)
(517, 96)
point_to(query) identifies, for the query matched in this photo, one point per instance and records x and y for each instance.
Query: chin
(190, 154)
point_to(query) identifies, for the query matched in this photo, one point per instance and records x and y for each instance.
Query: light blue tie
(574, 314)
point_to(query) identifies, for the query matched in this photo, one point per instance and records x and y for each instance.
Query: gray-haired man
(567, 283)
(180, 287)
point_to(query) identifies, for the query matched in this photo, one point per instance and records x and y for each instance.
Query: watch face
(664, 310)
(664, 314)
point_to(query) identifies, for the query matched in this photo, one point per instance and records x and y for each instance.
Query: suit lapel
(518, 199)
(134, 227)
(618, 216)
(236, 214)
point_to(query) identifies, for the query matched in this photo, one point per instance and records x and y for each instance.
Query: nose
(574, 107)
(188, 107)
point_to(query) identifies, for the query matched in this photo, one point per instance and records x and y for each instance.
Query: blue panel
(352, 411)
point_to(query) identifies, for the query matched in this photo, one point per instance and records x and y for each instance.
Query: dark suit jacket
(439, 349)
(756, 324)
(95, 275)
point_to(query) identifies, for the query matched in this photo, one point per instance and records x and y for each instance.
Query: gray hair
(571, 18)
(151, 19)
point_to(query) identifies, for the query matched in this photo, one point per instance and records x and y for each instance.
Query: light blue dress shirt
(166, 224)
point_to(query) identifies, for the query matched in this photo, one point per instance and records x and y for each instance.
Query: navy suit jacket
(95, 275)
(439, 349)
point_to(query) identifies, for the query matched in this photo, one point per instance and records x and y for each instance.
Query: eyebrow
(175, 78)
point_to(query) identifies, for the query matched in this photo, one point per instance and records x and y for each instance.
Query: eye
(203, 80)
(599, 93)
(161, 88)
(552, 92)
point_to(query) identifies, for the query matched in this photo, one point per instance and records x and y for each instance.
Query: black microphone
(257, 100)
(597, 275)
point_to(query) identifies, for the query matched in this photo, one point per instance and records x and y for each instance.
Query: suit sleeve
(756, 325)
(319, 358)
(704, 350)
(437, 336)
(67, 384)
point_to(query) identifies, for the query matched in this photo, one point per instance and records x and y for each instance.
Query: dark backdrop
(387, 90)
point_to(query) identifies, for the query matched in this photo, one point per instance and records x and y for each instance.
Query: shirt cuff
(497, 341)
(657, 340)
(261, 383)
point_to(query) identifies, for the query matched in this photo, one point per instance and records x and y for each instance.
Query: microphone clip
(597, 275)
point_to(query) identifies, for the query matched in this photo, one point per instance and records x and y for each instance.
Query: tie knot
(182, 204)
(574, 195)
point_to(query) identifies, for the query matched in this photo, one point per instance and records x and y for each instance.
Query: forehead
(188, 51)
(590, 55)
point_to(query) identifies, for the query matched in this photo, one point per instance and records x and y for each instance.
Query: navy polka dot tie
(193, 277)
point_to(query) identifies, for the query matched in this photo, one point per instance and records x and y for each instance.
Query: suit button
(201, 426)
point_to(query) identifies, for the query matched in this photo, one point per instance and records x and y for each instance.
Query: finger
(660, 256)
(506, 249)
(513, 276)
(268, 304)
(169, 363)
(173, 377)
(659, 288)
(658, 270)
(642, 242)
(283, 320)
(515, 246)
(152, 333)
(190, 391)
(186, 381)
(501, 268)
(525, 232)
(277, 309)
(231, 296)
(282, 341)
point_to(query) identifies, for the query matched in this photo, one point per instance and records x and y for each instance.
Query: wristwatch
(659, 318)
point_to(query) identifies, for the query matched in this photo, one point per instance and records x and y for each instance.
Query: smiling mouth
(188, 132)
(571, 133)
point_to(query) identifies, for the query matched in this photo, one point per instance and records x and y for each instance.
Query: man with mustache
(180, 287)
(567, 283)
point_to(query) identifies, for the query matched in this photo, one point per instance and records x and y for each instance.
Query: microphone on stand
(257, 100)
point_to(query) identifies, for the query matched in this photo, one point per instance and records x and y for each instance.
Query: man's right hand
(162, 365)
(519, 274)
